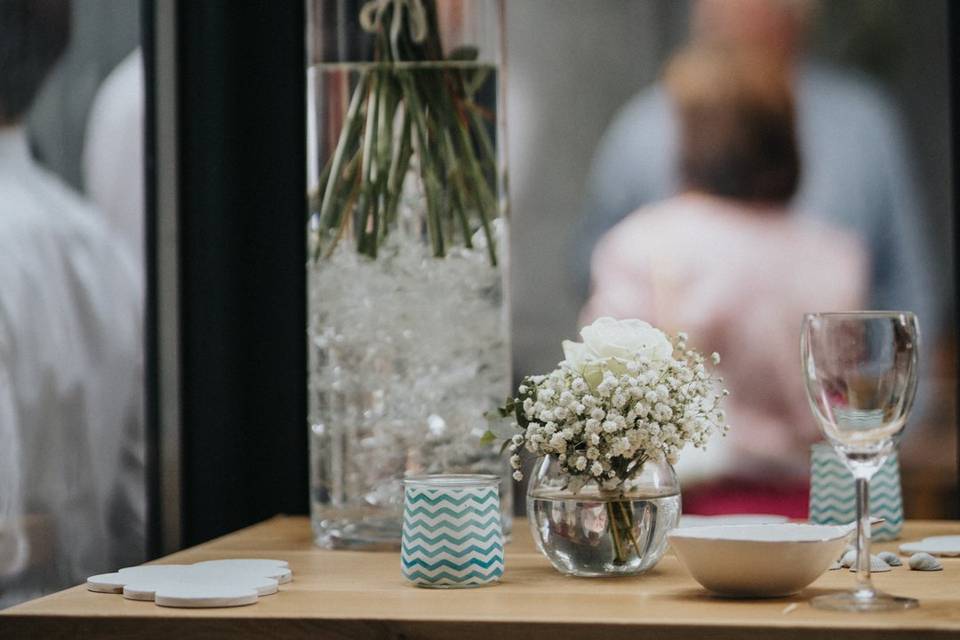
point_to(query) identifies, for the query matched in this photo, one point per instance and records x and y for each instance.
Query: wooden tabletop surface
(353, 595)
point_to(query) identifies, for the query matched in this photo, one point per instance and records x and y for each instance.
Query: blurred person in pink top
(725, 262)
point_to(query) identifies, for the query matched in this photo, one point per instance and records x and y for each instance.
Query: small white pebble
(849, 558)
(876, 564)
(924, 562)
(890, 558)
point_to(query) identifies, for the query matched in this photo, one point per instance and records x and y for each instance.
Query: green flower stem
(399, 163)
(620, 518)
(431, 183)
(628, 519)
(458, 206)
(451, 85)
(366, 205)
(386, 113)
(350, 130)
(476, 118)
(483, 197)
(344, 217)
(619, 556)
(455, 178)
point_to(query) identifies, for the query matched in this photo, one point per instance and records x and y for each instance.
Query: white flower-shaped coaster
(733, 518)
(279, 570)
(214, 583)
(934, 545)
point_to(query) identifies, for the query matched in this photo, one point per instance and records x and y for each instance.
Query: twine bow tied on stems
(371, 16)
(412, 110)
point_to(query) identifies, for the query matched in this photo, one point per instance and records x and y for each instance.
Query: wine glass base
(863, 601)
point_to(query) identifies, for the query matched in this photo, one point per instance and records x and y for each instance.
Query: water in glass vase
(591, 538)
(408, 343)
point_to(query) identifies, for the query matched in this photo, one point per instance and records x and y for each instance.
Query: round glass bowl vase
(592, 532)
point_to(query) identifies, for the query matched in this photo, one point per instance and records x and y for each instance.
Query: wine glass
(860, 373)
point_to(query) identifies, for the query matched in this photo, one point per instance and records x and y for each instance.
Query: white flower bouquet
(625, 395)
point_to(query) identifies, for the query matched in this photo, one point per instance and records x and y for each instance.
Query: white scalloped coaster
(934, 545)
(214, 583)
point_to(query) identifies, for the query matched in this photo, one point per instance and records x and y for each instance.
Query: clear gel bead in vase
(408, 339)
(593, 532)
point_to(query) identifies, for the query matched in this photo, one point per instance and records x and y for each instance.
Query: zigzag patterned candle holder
(833, 496)
(452, 531)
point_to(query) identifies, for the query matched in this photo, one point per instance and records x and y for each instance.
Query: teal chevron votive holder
(452, 531)
(833, 495)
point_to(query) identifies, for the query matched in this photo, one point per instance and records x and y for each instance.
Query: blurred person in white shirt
(72, 499)
(113, 153)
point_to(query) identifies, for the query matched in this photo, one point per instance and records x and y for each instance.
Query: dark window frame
(239, 273)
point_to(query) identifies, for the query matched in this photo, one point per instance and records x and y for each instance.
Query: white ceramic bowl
(758, 560)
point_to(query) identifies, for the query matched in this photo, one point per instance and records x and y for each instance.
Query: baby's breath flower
(642, 408)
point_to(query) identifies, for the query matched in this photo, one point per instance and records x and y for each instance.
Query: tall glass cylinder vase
(407, 236)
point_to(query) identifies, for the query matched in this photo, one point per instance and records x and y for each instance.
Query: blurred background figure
(856, 166)
(858, 172)
(725, 261)
(114, 144)
(71, 443)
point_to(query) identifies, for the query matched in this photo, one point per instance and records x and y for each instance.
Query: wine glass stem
(864, 585)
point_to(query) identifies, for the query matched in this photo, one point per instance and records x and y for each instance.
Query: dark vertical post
(241, 140)
(953, 12)
(151, 414)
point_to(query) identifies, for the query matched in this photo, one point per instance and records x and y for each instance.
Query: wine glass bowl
(860, 374)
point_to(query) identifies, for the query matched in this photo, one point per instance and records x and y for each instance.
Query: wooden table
(348, 595)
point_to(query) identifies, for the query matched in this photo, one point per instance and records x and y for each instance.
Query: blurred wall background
(572, 64)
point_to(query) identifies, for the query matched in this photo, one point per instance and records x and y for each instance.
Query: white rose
(576, 354)
(584, 361)
(625, 340)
